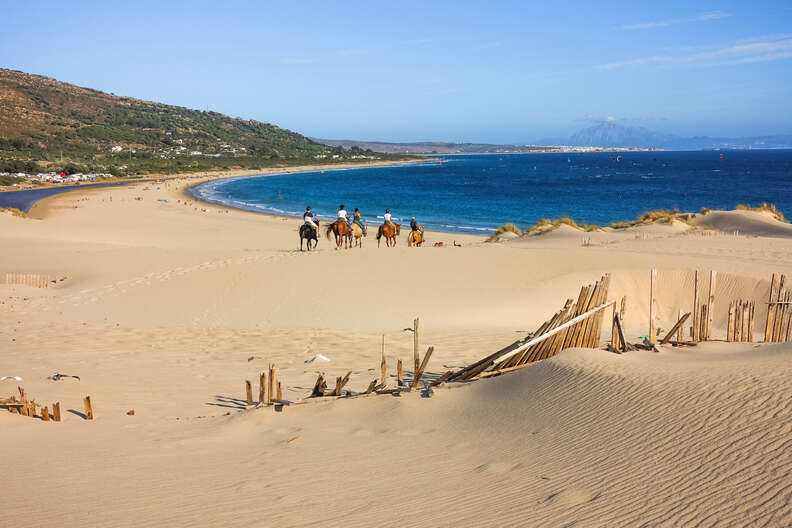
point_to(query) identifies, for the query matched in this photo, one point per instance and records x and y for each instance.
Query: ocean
(476, 194)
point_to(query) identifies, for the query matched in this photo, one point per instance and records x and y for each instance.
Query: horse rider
(388, 218)
(413, 224)
(342, 214)
(308, 218)
(356, 220)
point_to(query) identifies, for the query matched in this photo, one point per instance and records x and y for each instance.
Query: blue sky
(402, 71)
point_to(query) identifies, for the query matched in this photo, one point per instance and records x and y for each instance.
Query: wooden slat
(422, 366)
(88, 408)
(249, 393)
(56, 415)
(675, 328)
(652, 275)
(399, 373)
(696, 314)
(416, 358)
(730, 323)
(769, 319)
(262, 399)
(711, 303)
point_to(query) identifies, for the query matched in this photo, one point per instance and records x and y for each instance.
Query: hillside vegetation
(50, 125)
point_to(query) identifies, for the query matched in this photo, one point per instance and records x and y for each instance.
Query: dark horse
(341, 231)
(309, 232)
(390, 234)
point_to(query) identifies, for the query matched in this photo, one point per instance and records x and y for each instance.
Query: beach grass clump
(505, 228)
(764, 208)
(650, 217)
(13, 211)
(546, 224)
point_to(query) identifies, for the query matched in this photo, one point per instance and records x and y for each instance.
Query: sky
(498, 72)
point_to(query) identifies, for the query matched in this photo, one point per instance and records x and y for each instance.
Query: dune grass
(764, 208)
(546, 224)
(505, 228)
(650, 217)
(13, 211)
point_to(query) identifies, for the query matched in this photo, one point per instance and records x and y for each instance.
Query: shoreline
(41, 205)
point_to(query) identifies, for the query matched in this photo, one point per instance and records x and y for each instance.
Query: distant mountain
(66, 126)
(610, 135)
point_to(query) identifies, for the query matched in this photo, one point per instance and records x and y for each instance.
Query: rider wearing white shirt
(342, 214)
(388, 217)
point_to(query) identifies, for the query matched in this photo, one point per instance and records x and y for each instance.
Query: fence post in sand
(383, 370)
(681, 331)
(652, 276)
(45, 414)
(262, 388)
(56, 411)
(730, 323)
(88, 408)
(416, 343)
(614, 331)
(279, 392)
(249, 393)
(769, 319)
(695, 335)
(711, 303)
(751, 314)
(399, 373)
(271, 387)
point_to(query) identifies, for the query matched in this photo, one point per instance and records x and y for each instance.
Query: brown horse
(390, 234)
(341, 231)
(416, 238)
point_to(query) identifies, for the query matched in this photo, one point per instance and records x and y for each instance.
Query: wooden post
(769, 320)
(652, 276)
(45, 414)
(249, 393)
(399, 373)
(730, 324)
(383, 371)
(262, 388)
(778, 310)
(751, 316)
(56, 411)
(703, 322)
(280, 391)
(416, 355)
(271, 387)
(88, 408)
(711, 303)
(696, 336)
(614, 331)
(681, 330)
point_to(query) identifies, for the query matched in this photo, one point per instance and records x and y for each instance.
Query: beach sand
(167, 308)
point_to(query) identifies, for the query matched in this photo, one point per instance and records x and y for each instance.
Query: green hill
(50, 125)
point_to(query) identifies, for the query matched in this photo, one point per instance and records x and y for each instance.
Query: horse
(308, 232)
(357, 236)
(341, 231)
(416, 238)
(390, 234)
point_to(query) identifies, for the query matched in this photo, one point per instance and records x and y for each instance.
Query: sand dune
(168, 308)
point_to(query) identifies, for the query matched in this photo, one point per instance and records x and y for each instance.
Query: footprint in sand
(571, 497)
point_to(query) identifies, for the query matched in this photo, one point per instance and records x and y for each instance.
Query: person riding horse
(356, 220)
(308, 218)
(388, 218)
(342, 214)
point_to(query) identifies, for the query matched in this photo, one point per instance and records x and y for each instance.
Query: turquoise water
(476, 194)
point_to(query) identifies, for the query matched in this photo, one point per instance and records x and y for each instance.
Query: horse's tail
(379, 232)
(328, 230)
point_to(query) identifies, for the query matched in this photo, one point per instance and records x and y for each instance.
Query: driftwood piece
(319, 387)
(371, 387)
(340, 382)
(422, 367)
(675, 328)
(442, 379)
